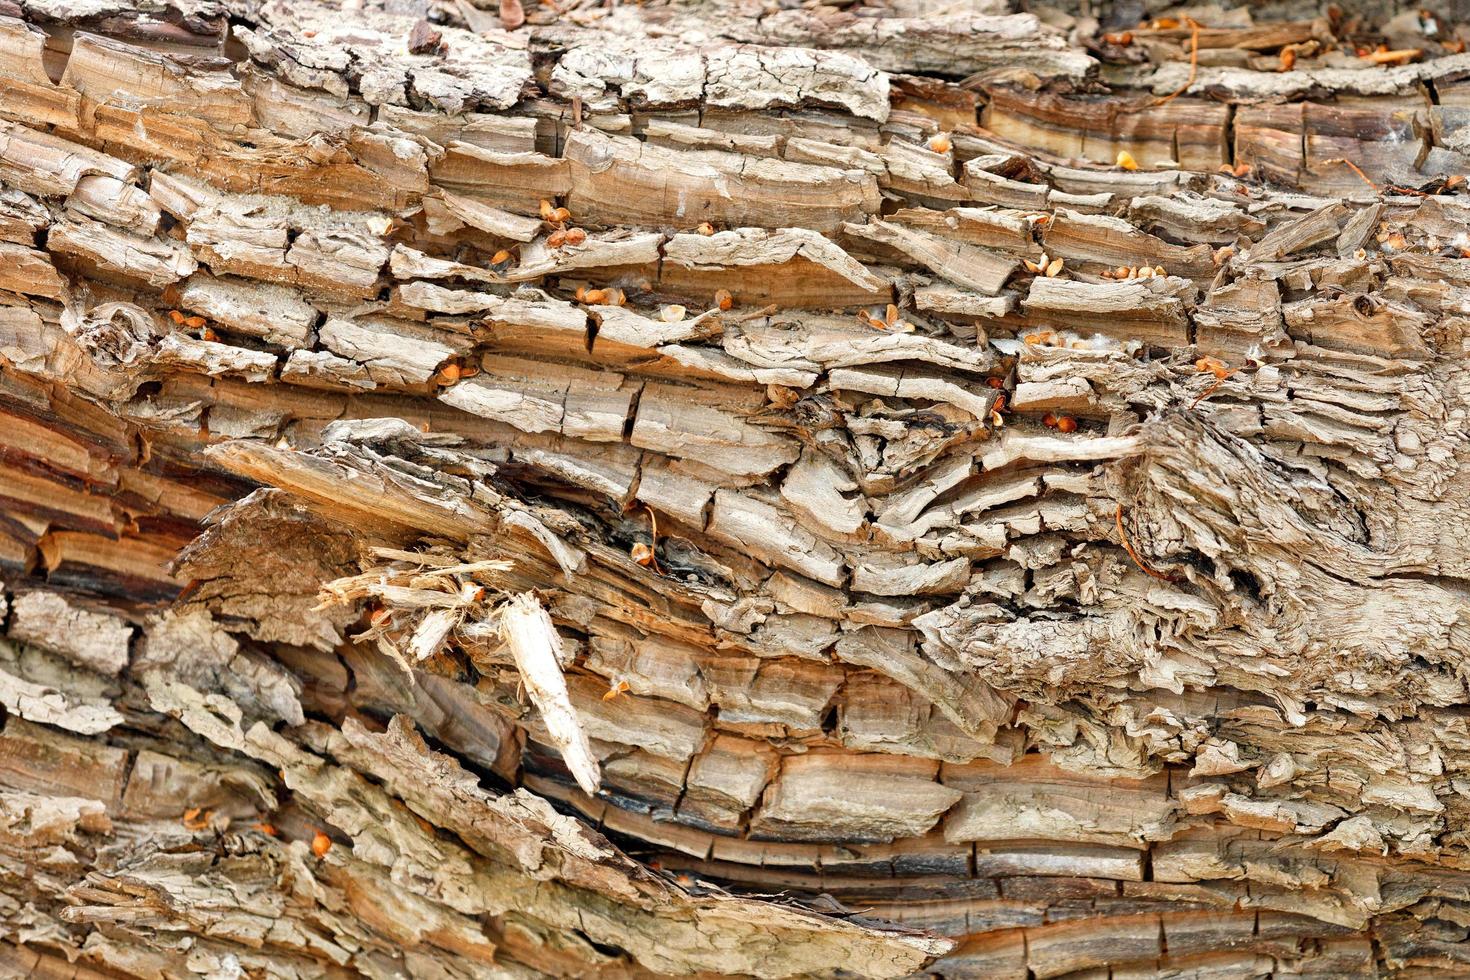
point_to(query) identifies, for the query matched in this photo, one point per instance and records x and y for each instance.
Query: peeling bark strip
(629, 489)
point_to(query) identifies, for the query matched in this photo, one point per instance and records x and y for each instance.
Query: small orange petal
(196, 818)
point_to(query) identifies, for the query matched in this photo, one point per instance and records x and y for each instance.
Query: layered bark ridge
(870, 530)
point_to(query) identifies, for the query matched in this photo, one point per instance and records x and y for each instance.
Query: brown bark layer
(708, 489)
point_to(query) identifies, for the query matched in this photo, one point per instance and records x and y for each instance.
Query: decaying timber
(715, 489)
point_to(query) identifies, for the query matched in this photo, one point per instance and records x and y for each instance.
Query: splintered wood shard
(536, 648)
(905, 488)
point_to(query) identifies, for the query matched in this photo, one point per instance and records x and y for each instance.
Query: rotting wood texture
(718, 489)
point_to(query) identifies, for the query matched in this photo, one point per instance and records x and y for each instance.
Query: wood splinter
(536, 649)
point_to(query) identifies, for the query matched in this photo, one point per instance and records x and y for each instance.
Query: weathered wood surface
(868, 531)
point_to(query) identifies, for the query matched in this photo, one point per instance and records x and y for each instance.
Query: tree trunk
(614, 490)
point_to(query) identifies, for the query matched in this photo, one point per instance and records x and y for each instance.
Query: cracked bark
(869, 532)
